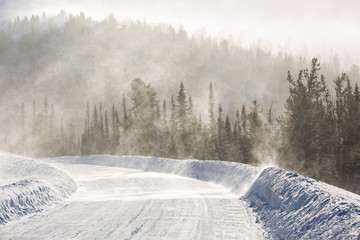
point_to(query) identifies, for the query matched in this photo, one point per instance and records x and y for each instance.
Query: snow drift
(28, 186)
(235, 176)
(289, 205)
(292, 206)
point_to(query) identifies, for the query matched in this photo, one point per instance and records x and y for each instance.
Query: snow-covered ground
(137, 197)
(28, 186)
(124, 203)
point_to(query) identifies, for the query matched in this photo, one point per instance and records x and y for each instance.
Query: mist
(312, 28)
(83, 78)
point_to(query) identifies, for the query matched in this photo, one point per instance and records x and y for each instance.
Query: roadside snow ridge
(28, 186)
(289, 205)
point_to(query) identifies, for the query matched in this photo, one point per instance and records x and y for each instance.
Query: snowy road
(121, 203)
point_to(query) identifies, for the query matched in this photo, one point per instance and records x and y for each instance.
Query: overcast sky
(314, 26)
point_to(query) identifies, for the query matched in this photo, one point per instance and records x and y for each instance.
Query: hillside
(73, 59)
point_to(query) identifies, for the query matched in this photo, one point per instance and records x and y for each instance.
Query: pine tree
(190, 108)
(245, 144)
(243, 121)
(211, 108)
(96, 133)
(117, 132)
(125, 115)
(107, 135)
(228, 130)
(164, 114)
(101, 130)
(182, 107)
(113, 131)
(144, 100)
(229, 140)
(220, 139)
(182, 117)
(210, 137)
(86, 136)
(305, 110)
(173, 118)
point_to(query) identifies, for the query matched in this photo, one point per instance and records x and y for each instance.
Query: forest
(93, 88)
(317, 135)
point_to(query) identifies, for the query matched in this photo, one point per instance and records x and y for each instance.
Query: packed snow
(124, 203)
(134, 197)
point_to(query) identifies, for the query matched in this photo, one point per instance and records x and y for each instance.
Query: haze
(308, 28)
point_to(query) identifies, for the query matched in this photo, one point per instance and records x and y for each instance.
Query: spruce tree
(125, 114)
(164, 114)
(211, 108)
(220, 138)
(107, 140)
(182, 118)
(147, 135)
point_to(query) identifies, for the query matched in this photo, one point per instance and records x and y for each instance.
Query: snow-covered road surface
(123, 203)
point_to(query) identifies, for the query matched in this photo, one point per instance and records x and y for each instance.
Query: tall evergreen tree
(164, 114)
(220, 139)
(211, 108)
(182, 117)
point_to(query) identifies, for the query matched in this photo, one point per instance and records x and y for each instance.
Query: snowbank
(235, 176)
(289, 205)
(28, 186)
(292, 206)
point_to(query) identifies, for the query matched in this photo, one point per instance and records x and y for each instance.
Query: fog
(189, 79)
(319, 28)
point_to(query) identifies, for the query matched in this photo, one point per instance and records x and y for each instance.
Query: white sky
(316, 27)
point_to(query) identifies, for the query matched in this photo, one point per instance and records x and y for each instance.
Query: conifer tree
(228, 130)
(211, 108)
(107, 140)
(229, 149)
(173, 118)
(86, 138)
(220, 139)
(164, 114)
(245, 144)
(182, 118)
(125, 115)
(144, 100)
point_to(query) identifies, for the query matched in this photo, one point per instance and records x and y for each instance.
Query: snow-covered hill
(287, 205)
(28, 186)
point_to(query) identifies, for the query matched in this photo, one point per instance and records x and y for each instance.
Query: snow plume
(28, 186)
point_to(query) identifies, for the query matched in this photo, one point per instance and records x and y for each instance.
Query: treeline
(318, 135)
(171, 128)
(152, 127)
(168, 128)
